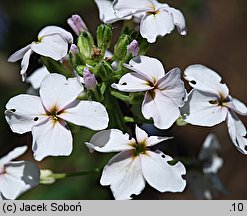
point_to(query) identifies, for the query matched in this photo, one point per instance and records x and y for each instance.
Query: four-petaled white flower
(52, 42)
(16, 177)
(165, 93)
(46, 115)
(209, 103)
(127, 171)
(156, 19)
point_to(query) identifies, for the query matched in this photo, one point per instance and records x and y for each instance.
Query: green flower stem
(114, 111)
(93, 171)
(117, 115)
(120, 96)
(65, 175)
(129, 119)
(96, 94)
(180, 122)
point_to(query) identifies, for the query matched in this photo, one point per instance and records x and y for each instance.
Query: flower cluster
(82, 83)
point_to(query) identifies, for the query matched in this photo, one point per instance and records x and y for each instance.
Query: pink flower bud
(77, 24)
(74, 49)
(133, 48)
(89, 79)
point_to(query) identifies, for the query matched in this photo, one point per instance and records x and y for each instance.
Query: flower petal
(19, 54)
(178, 20)
(19, 177)
(25, 63)
(51, 138)
(239, 107)
(154, 25)
(107, 13)
(13, 154)
(215, 164)
(205, 79)
(141, 135)
(161, 108)
(52, 30)
(112, 140)
(132, 82)
(149, 68)
(161, 175)
(10, 186)
(172, 86)
(237, 132)
(53, 46)
(24, 111)
(153, 140)
(123, 174)
(125, 8)
(199, 111)
(37, 77)
(89, 114)
(57, 91)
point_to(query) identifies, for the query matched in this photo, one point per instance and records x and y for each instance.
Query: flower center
(151, 93)
(154, 12)
(39, 40)
(54, 113)
(2, 170)
(139, 148)
(221, 101)
(154, 86)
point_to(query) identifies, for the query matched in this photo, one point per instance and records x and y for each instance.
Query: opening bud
(74, 50)
(133, 48)
(89, 79)
(77, 24)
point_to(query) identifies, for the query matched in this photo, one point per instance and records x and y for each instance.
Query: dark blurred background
(216, 38)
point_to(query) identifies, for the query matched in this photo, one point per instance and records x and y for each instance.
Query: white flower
(16, 177)
(165, 93)
(46, 115)
(107, 13)
(52, 42)
(156, 18)
(209, 155)
(206, 184)
(127, 172)
(210, 104)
